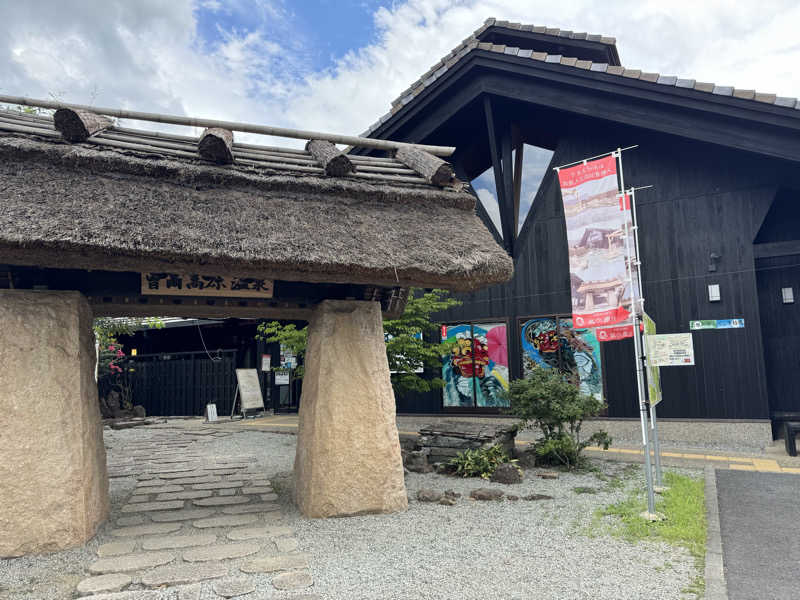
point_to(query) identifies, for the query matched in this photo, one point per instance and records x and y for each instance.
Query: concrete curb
(716, 588)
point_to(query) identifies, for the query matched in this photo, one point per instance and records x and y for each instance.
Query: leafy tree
(544, 399)
(107, 330)
(288, 336)
(408, 345)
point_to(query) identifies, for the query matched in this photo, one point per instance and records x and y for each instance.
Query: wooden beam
(330, 158)
(79, 125)
(496, 166)
(350, 140)
(507, 208)
(216, 145)
(773, 249)
(518, 146)
(432, 168)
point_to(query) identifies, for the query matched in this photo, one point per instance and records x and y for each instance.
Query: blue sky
(322, 31)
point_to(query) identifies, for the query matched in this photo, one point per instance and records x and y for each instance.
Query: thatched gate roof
(125, 200)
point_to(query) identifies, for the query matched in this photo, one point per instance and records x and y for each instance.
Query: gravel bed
(473, 550)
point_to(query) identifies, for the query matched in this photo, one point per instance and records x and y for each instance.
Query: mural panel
(476, 369)
(553, 343)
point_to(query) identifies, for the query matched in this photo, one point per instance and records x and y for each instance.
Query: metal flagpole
(653, 422)
(637, 344)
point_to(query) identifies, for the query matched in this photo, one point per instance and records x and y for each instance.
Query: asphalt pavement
(759, 517)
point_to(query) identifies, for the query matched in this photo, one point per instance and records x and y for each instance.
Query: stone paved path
(194, 527)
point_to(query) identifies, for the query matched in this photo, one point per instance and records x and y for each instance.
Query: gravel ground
(482, 550)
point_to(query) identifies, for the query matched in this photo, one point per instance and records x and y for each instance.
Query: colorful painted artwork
(476, 370)
(554, 344)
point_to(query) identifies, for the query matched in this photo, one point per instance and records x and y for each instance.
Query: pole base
(660, 489)
(652, 517)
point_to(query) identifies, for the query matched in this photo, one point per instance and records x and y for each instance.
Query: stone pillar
(53, 481)
(348, 458)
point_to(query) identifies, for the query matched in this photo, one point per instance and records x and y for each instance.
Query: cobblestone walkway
(195, 527)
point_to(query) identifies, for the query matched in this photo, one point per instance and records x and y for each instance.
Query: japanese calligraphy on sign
(194, 284)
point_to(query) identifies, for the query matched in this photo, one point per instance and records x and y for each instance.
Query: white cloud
(148, 55)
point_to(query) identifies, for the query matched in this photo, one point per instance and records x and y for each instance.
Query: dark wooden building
(724, 209)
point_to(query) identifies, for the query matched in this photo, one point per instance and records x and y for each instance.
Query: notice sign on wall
(670, 350)
(281, 377)
(196, 284)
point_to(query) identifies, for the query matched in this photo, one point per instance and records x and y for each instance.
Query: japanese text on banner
(600, 236)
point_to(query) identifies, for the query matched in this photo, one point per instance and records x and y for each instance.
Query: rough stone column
(348, 451)
(53, 480)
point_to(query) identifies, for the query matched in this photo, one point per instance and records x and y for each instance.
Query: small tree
(544, 399)
(111, 356)
(288, 336)
(407, 348)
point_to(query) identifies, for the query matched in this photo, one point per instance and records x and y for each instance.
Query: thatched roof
(146, 202)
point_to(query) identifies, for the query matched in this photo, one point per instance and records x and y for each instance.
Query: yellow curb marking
(742, 467)
(768, 465)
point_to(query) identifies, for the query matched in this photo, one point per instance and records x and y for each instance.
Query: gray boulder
(486, 494)
(428, 495)
(507, 473)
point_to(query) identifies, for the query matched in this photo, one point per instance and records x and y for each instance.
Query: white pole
(637, 344)
(653, 421)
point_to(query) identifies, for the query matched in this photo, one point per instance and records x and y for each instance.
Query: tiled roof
(473, 43)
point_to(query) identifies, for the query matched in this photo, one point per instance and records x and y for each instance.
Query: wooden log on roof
(79, 125)
(216, 145)
(330, 158)
(432, 168)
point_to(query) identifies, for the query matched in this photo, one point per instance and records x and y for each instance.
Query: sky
(336, 65)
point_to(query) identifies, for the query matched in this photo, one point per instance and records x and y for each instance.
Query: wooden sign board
(196, 284)
(249, 390)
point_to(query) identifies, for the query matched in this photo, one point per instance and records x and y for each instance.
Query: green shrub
(544, 399)
(480, 462)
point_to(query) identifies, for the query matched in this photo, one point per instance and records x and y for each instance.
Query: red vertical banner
(599, 237)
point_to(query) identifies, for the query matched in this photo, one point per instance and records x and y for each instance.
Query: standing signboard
(248, 391)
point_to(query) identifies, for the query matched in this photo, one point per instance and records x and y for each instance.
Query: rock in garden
(548, 475)
(139, 411)
(512, 497)
(486, 494)
(428, 495)
(507, 473)
(447, 501)
(452, 494)
(417, 462)
(534, 497)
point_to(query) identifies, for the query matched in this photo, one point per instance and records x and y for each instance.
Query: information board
(249, 389)
(670, 350)
(281, 377)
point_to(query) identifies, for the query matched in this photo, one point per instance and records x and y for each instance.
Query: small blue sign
(730, 323)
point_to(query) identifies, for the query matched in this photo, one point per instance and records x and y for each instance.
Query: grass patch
(584, 489)
(683, 504)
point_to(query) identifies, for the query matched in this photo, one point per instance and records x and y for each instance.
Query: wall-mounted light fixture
(713, 259)
(713, 292)
(787, 295)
